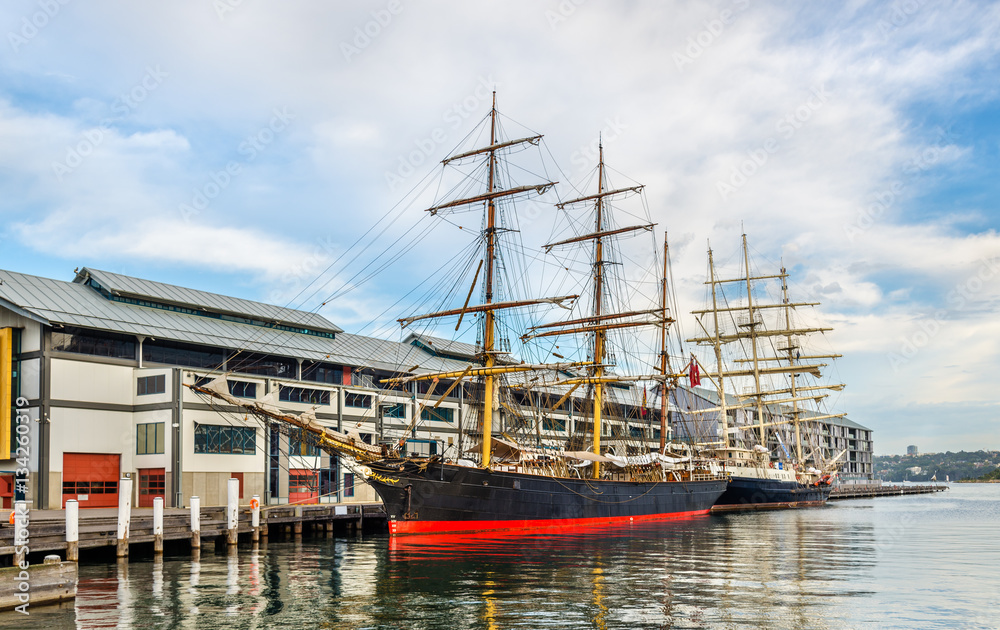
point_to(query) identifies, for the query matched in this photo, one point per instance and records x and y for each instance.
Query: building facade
(99, 374)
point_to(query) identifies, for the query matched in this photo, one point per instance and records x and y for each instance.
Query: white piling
(232, 511)
(72, 530)
(255, 518)
(124, 515)
(195, 523)
(157, 525)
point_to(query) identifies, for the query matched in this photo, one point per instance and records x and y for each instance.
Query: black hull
(748, 493)
(445, 498)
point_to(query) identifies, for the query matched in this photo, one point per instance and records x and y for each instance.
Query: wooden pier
(871, 491)
(98, 528)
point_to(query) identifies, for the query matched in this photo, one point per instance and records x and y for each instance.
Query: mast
(752, 323)
(489, 382)
(718, 352)
(599, 335)
(789, 346)
(663, 349)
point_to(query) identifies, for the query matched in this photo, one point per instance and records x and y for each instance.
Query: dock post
(158, 525)
(20, 532)
(297, 525)
(255, 518)
(195, 523)
(124, 515)
(232, 511)
(72, 530)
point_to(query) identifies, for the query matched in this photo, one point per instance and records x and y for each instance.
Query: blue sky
(880, 123)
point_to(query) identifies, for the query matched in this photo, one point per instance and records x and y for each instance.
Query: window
(348, 484)
(264, 365)
(243, 389)
(209, 438)
(92, 342)
(182, 354)
(363, 401)
(441, 414)
(637, 432)
(151, 385)
(553, 424)
(149, 439)
(304, 395)
(152, 482)
(90, 487)
(395, 410)
(299, 446)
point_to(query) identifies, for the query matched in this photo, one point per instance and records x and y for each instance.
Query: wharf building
(827, 437)
(99, 366)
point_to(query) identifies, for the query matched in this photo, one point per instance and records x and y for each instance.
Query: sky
(272, 151)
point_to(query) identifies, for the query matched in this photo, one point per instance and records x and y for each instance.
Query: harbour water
(921, 561)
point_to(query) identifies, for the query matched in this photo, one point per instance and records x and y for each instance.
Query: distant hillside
(991, 476)
(949, 465)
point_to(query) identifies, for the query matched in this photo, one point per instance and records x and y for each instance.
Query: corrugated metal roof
(73, 304)
(438, 345)
(138, 288)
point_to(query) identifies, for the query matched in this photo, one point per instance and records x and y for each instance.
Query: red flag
(693, 374)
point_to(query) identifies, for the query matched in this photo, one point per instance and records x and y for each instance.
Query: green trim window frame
(361, 401)
(304, 395)
(243, 389)
(441, 414)
(212, 439)
(149, 438)
(146, 385)
(394, 410)
(553, 424)
(297, 446)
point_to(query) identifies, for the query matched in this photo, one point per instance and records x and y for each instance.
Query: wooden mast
(599, 335)
(718, 353)
(789, 347)
(663, 350)
(752, 325)
(489, 381)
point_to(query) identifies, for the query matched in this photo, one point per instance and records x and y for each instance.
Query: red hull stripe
(401, 528)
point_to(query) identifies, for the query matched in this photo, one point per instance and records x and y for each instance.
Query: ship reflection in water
(901, 562)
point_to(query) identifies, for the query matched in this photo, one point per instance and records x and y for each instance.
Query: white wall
(92, 382)
(91, 431)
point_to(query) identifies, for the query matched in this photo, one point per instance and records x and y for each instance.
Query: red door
(152, 483)
(6, 491)
(91, 479)
(303, 486)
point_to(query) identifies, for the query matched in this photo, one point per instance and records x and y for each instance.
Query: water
(925, 561)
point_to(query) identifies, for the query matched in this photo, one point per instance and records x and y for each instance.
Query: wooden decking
(867, 492)
(98, 527)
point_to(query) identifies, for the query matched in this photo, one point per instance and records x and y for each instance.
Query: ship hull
(444, 498)
(750, 493)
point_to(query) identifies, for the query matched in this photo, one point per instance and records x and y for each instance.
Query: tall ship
(765, 375)
(513, 477)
